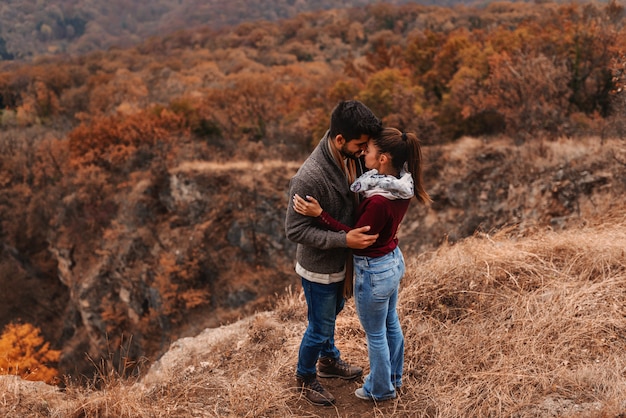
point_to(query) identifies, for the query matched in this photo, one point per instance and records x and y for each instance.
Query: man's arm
(304, 229)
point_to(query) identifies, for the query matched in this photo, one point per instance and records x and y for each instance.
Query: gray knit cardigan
(319, 250)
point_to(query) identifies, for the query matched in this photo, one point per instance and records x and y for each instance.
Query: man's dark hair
(352, 119)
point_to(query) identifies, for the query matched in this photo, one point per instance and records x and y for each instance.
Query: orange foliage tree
(109, 141)
(172, 279)
(530, 92)
(25, 353)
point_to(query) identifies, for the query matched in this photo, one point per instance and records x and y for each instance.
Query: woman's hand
(307, 207)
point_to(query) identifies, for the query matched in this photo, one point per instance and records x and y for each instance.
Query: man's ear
(339, 140)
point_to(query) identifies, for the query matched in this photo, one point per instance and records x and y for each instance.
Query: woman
(394, 160)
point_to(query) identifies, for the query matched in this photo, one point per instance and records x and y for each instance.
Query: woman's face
(372, 156)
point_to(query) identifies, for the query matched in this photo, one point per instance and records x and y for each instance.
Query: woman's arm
(311, 207)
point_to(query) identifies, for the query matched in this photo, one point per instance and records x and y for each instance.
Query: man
(321, 254)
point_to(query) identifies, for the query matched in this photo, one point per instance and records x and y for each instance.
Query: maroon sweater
(382, 215)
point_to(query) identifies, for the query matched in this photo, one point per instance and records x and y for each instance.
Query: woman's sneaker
(361, 394)
(314, 392)
(330, 367)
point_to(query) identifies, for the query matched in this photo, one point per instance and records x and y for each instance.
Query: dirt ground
(348, 405)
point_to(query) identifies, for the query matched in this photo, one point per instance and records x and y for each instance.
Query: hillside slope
(496, 325)
(223, 222)
(30, 28)
(227, 219)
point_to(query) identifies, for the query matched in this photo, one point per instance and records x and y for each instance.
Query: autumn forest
(115, 239)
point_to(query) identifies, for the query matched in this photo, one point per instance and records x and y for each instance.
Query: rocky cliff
(187, 249)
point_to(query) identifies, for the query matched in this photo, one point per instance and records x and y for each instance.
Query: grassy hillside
(513, 323)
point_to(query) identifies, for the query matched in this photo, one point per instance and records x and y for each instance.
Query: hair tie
(404, 136)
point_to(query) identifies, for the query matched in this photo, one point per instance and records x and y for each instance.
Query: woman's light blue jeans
(376, 296)
(324, 302)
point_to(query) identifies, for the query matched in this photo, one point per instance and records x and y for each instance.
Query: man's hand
(358, 239)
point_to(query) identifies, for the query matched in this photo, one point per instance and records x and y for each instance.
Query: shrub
(27, 354)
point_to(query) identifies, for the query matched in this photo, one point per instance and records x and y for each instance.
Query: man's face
(353, 149)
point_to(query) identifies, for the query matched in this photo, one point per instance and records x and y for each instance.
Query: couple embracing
(348, 199)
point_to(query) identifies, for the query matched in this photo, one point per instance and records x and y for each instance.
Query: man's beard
(354, 156)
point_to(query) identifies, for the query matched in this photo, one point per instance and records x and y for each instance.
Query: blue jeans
(376, 296)
(324, 302)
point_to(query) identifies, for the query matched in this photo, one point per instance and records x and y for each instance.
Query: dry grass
(502, 327)
(499, 325)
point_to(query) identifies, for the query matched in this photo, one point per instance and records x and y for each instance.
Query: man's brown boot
(329, 367)
(314, 392)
